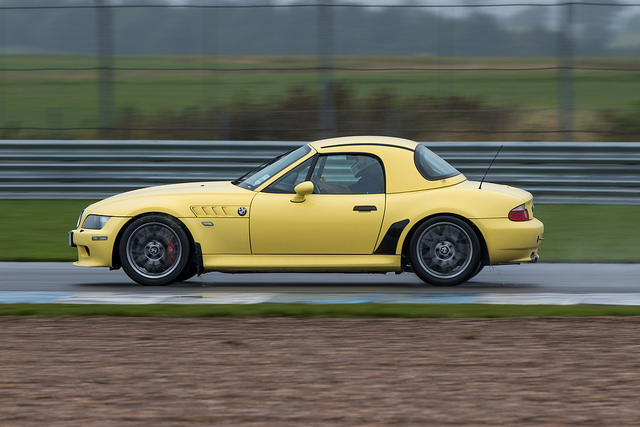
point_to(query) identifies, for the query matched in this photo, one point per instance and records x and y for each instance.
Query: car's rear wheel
(444, 251)
(155, 251)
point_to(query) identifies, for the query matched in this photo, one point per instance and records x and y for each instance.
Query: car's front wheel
(154, 250)
(444, 251)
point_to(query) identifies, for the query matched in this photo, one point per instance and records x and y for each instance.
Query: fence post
(210, 79)
(326, 107)
(104, 17)
(565, 71)
(3, 52)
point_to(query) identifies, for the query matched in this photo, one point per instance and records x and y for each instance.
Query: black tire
(188, 272)
(477, 271)
(444, 251)
(155, 250)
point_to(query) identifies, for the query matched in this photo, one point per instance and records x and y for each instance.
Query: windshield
(432, 166)
(255, 177)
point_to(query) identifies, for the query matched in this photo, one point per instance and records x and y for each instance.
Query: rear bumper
(511, 241)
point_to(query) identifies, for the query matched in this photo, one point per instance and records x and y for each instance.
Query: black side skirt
(390, 240)
(198, 258)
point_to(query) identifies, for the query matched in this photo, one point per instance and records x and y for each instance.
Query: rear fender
(484, 255)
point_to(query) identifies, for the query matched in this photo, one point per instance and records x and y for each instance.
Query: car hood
(178, 189)
(173, 199)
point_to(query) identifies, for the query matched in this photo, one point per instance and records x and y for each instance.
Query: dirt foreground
(105, 371)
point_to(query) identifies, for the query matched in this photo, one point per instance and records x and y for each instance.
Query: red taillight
(519, 213)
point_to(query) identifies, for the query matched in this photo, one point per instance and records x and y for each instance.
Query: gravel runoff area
(105, 371)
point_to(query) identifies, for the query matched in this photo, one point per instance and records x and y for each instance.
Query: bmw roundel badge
(242, 211)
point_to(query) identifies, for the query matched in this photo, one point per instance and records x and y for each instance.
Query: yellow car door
(343, 215)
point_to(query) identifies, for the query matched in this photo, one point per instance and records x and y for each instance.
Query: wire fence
(300, 70)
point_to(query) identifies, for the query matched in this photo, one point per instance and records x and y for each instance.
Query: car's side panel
(417, 206)
(220, 235)
(488, 208)
(303, 263)
(222, 224)
(321, 224)
(221, 204)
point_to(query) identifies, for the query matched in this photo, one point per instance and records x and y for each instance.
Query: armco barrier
(555, 172)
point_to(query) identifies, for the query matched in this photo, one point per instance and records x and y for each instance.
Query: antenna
(490, 164)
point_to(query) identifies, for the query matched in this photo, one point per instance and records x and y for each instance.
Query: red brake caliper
(171, 250)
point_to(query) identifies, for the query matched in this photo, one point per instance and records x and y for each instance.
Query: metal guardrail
(555, 172)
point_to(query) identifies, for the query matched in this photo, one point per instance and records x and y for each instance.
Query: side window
(348, 174)
(287, 183)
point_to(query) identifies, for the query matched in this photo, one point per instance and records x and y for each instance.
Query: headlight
(79, 218)
(95, 222)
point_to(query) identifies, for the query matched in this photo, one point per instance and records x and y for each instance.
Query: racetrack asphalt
(543, 283)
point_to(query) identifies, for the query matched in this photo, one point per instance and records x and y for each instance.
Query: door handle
(365, 208)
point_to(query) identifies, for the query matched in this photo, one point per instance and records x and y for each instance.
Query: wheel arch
(484, 255)
(193, 252)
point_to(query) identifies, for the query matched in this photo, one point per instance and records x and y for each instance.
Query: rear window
(431, 166)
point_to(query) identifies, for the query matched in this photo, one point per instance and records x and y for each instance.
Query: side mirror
(302, 190)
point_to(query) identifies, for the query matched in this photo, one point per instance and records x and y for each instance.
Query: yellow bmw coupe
(351, 204)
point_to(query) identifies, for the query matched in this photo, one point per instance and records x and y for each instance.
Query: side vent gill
(219, 211)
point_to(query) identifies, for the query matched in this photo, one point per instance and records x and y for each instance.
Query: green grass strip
(319, 310)
(36, 230)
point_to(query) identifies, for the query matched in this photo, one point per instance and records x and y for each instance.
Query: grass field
(65, 92)
(319, 310)
(36, 230)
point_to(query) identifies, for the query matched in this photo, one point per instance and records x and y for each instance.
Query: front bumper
(96, 247)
